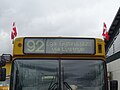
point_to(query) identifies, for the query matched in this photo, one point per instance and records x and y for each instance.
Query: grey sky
(54, 18)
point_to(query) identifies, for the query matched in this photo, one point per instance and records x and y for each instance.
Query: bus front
(58, 63)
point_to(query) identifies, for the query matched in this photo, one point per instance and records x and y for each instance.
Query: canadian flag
(14, 31)
(105, 33)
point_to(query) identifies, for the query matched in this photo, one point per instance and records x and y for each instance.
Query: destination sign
(59, 46)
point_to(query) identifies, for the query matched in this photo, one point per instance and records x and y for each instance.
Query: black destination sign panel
(59, 46)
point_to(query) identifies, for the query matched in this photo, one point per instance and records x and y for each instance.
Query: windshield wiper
(54, 86)
(54, 82)
(65, 83)
(67, 86)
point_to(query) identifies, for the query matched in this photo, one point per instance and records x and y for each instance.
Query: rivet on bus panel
(19, 45)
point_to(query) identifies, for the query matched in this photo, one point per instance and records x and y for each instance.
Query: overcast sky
(54, 18)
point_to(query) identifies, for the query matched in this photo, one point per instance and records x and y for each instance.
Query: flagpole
(13, 41)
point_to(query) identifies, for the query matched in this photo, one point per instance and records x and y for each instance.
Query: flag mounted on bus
(14, 31)
(105, 32)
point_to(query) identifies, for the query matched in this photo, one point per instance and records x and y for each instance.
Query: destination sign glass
(59, 46)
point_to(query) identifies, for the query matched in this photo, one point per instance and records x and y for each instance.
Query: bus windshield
(44, 74)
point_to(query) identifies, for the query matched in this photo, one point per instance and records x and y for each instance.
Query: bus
(4, 84)
(59, 63)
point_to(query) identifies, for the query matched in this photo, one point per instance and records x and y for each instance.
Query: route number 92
(35, 46)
